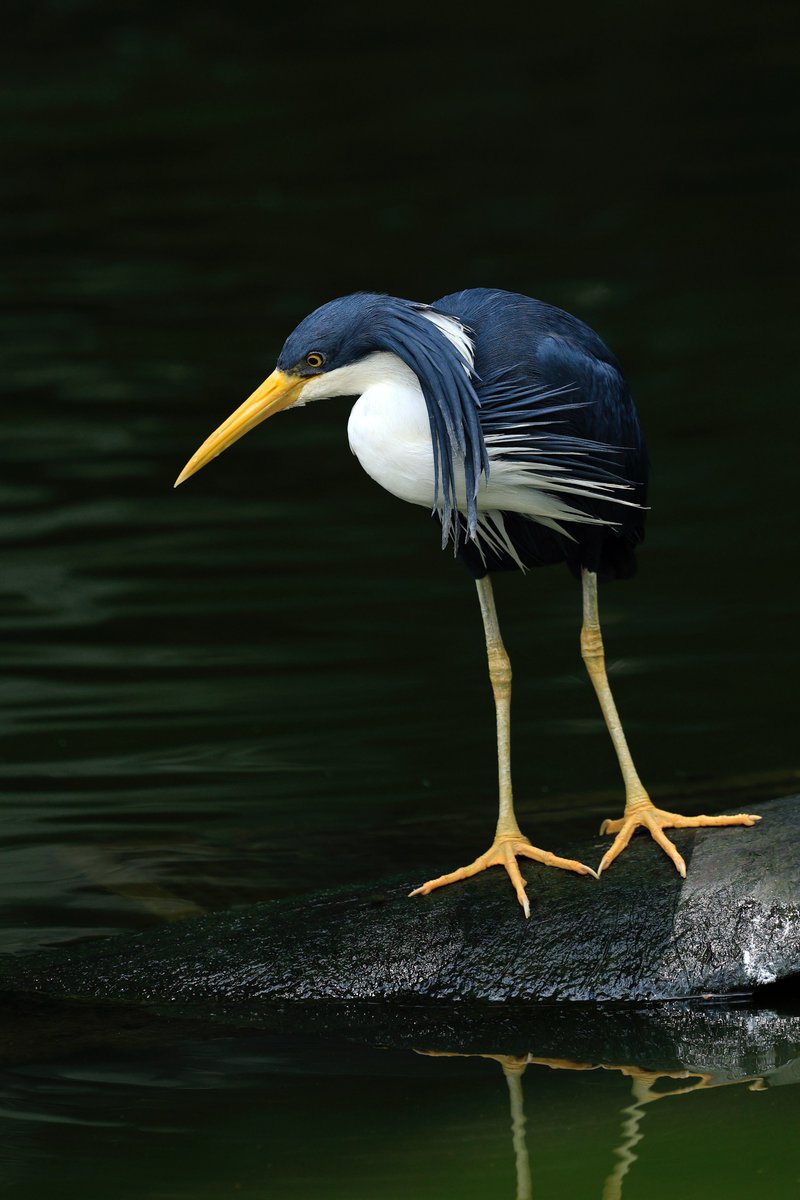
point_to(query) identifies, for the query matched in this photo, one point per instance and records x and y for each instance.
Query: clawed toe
(655, 820)
(503, 853)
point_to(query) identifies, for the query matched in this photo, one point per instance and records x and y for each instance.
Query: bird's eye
(315, 359)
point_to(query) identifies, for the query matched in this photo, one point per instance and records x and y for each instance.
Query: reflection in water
(199, 1112)
(644, 1088)
(644, 1092)
(631, 1136)
(513, 1072)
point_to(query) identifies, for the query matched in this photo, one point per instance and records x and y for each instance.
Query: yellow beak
(276, 393)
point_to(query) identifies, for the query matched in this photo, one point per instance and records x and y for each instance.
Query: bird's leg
(639, 808)
(500, 679)
(509, 841)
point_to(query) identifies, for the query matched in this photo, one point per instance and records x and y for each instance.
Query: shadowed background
(273, 679)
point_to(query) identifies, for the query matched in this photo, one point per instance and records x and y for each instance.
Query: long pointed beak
(277, 392)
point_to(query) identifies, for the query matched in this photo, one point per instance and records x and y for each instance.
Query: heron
(512, 422)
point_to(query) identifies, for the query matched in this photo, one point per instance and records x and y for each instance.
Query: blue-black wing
(553, 395)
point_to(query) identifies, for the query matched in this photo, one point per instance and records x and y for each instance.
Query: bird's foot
(503, 853)
(645, 814)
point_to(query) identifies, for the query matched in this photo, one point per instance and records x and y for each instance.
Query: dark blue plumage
(535, 362)
(541, 380)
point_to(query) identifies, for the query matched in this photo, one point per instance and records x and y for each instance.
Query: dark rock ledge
(640, 934)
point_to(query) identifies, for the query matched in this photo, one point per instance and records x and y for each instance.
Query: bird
(511, 421)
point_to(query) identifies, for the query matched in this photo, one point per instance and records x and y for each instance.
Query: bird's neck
(389, 432)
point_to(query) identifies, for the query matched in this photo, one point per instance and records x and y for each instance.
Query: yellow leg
(509, 841)
(639, 808)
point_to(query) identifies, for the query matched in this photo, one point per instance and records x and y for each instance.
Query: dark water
(273, 679)
(250, 1118)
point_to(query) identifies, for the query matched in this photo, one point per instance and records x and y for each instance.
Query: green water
(249, 1118)
(273, 680)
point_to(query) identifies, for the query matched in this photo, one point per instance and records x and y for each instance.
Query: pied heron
(512, 421)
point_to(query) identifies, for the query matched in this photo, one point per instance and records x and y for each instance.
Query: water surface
(273, 680)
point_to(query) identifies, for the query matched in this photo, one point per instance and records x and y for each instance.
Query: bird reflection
(646, 1087)
(643, 1087)
(513, 1071)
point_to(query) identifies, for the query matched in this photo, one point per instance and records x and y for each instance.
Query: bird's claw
(503, 853)
(655, 821)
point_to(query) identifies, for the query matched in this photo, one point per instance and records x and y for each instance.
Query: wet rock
(640, 934)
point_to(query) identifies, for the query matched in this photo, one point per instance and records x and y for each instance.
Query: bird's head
(310, 366)
(350, 343)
